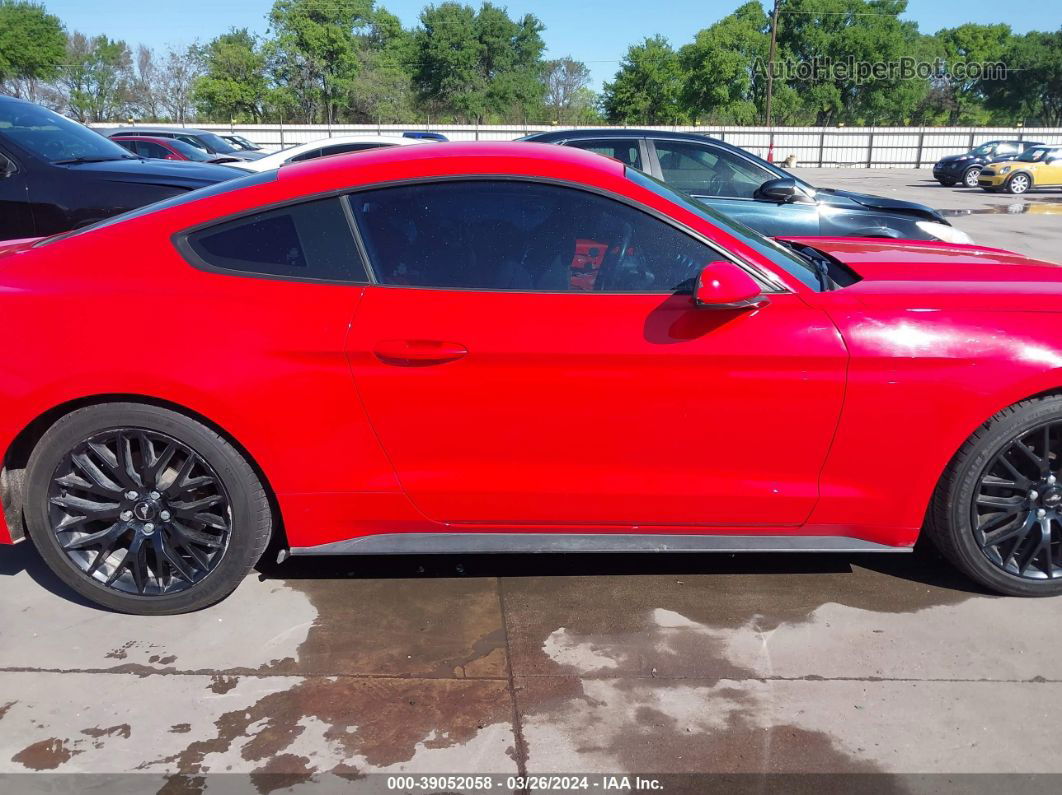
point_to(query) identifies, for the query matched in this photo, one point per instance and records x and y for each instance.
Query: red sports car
(400, 351)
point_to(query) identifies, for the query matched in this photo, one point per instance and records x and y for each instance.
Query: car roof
(617, 132)
(501, 157)
(139, 130)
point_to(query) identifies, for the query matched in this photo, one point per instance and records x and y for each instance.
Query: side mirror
(785, 190)
(723, 285)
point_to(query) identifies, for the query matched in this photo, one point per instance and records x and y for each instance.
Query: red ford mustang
(513, 347)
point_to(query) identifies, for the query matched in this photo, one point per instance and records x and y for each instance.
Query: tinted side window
(1006, 149)
(523, 236)
(702, 170)
(310, 155)
(150, 149)
(340, 149)
(304, 241)
(626, 150)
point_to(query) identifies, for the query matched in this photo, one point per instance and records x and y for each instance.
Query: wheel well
(18, 455)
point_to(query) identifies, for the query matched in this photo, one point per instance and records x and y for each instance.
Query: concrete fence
(866, 147)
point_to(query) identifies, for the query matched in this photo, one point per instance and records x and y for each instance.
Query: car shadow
(23, 558)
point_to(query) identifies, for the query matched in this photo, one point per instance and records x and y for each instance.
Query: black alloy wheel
(139, 511)
(144, 510)
(997, 511)
(1017, 509)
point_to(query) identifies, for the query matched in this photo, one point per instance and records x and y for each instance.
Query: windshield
(217, 143)
(1034, 155)
(53, 137)
(189, 151)
(789, 261)
(984, 150)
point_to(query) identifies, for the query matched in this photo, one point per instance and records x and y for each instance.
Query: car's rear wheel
(997, 512)
(1019, 183)
(144, 510)
(969, 179)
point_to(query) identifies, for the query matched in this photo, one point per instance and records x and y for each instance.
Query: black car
(755, 192)
(953, 169)
(209, 142)
(56, 174)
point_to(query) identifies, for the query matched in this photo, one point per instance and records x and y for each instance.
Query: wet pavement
(641, 664)
(1030, 224)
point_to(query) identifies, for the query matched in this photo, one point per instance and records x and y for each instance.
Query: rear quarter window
(311, 241)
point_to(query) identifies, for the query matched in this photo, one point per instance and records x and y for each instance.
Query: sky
(596, 32)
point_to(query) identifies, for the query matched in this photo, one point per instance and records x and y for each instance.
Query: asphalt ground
(883, 672)
(1030, 224)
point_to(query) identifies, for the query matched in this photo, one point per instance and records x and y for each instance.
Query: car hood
(175, 173)
(845, 198)
(955, 159)
(945, 274)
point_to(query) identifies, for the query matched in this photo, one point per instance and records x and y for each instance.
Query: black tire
(239, 545)
(969, 177)
(947, 183)
(1018, 184)
(951, 518)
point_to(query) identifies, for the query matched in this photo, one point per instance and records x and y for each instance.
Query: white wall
(845, 146)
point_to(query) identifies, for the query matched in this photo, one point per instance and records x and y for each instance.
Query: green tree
(647, 88)
(233, 83)
(964, 99)
(478, 64)
(856, 31)
(96, 78)
(722, 67)
(1032, 90)
(315, 52)
(32, 44)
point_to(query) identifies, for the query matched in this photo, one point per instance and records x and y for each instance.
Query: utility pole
(770, 59)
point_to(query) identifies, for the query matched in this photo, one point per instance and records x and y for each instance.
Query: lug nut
(154, 495)
(125, 516)
(1041, 513)
(131, 495)
(149, 528)
(1033, 494)
(165, 516)
(1051, 479)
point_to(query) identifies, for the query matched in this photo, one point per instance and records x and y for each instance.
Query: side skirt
(472, 543)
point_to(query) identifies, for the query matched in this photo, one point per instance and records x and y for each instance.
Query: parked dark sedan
(209, 142)
(966, 168)
(56, 174)
(755, 192)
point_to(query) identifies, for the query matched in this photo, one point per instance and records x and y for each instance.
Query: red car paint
(822, 413)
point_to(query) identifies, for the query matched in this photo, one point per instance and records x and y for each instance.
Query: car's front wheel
(144, 510)
(969, 179)
(997, 512)
(1019, 183)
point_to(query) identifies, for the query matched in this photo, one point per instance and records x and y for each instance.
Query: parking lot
(1030, 224)
(875, 664)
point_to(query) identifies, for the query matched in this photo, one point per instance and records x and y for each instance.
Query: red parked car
(406, 351)
(168, 149)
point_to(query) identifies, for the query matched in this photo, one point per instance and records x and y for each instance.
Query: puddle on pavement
(1041, 206)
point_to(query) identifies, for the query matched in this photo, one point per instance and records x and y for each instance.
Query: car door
(16, 215)
(511, 385)
(1051, 169)
(727, 182)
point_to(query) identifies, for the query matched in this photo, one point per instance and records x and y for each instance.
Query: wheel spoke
(120, 538)
(993, 501)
